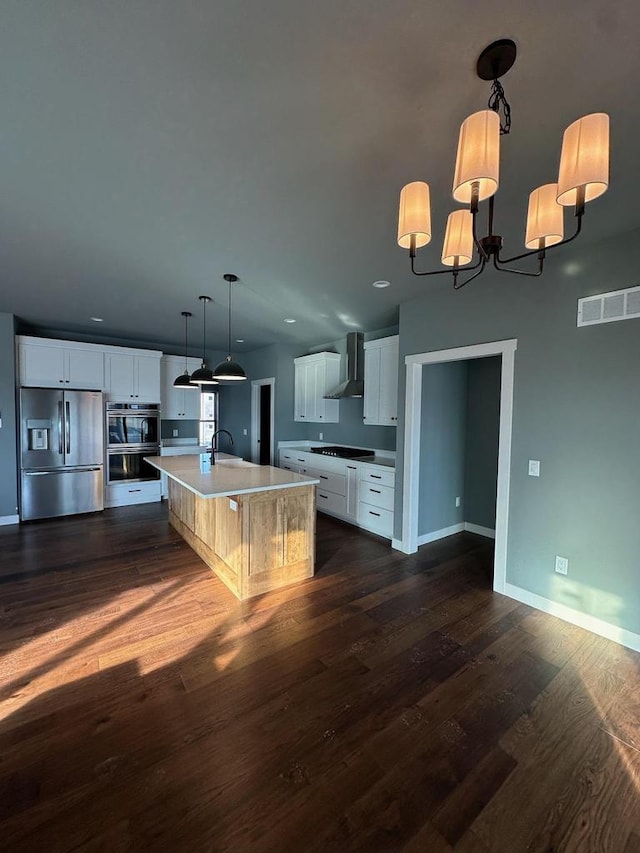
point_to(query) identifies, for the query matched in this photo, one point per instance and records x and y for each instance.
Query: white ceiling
(149, 146)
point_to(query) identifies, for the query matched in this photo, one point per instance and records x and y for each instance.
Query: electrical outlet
(320, 436)
(562, 565)
(534, 468)
(175, 433)
(245, 432)
(458, 501)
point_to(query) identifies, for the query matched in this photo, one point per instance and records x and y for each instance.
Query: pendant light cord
(186, 341)
(229, 350)
(204, 330)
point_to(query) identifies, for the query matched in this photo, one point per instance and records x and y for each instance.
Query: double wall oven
(132, 432)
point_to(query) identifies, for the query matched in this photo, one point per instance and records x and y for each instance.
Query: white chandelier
(582, 177)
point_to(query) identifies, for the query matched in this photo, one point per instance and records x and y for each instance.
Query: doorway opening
(412, 440)
(262, 420)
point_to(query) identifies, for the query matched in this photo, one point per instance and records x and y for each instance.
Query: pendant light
(229, 370)
(184, 380)
(203, 376)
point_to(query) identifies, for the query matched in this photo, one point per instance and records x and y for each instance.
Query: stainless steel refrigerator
(61, 446)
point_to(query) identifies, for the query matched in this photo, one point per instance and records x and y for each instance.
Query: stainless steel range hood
(354, 384)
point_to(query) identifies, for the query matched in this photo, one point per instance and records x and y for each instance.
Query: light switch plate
(534, 468)
(562, 565)
(175, 433)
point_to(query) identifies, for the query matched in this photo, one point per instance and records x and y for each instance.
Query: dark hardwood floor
(391, 703)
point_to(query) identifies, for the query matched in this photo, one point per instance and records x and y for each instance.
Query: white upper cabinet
(381, 381)
(48, 363)
(315, 376)
(133, 378)
(178, 403)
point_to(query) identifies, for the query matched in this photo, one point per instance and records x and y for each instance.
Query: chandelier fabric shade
(584, 161)
(544, 218)
(478, 157)
(414, 219)
(457, 249)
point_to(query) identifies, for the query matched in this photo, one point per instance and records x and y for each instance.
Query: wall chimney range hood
(354, 384)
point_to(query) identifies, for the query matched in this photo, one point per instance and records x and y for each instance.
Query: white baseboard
(9, 519)
(440, 534)
(575, 617)
(481, 531)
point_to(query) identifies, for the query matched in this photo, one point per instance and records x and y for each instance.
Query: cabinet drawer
(336, 483)
(377, 496)
(124, 494)
(376, 519)
(369, 474)
(330, 502)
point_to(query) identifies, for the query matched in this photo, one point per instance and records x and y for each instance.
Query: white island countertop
(229, 476)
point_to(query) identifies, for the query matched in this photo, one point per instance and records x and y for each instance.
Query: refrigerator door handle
(60, 447)
(67, 427)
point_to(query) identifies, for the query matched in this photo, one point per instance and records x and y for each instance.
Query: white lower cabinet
(358, 492)
(376, 499)
(124, 494)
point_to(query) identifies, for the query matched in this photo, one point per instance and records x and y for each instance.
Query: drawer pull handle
(326, 497)
(352, 467)
(375, 476)
(374, 513)
(375, 491)
(323, 477)
(135, 490)
(300, 460)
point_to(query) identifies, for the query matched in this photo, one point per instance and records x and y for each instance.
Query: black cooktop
(344, 452)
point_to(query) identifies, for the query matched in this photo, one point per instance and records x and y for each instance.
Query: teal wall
(8, 442)
(576, 409)
(482, 434)
(442, 446)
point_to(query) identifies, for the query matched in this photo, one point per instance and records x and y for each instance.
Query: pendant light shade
(203, 376)
(544, 218)
(229, 370)
(184, 380)
(414, 218)
(584, 161)
(478, 158)
(458, 239)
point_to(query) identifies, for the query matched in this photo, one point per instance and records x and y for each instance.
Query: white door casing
(255, 418)
(412, 423)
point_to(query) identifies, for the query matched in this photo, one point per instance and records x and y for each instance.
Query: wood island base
(253, 542)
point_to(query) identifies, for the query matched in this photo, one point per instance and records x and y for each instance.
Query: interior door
(264, 422)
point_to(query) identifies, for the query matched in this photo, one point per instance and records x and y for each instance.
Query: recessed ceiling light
(381, 284)
(97, 319)
(289, 320)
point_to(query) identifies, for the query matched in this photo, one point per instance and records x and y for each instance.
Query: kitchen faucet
(213, 438)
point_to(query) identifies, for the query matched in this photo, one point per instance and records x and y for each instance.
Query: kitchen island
(253, 525)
